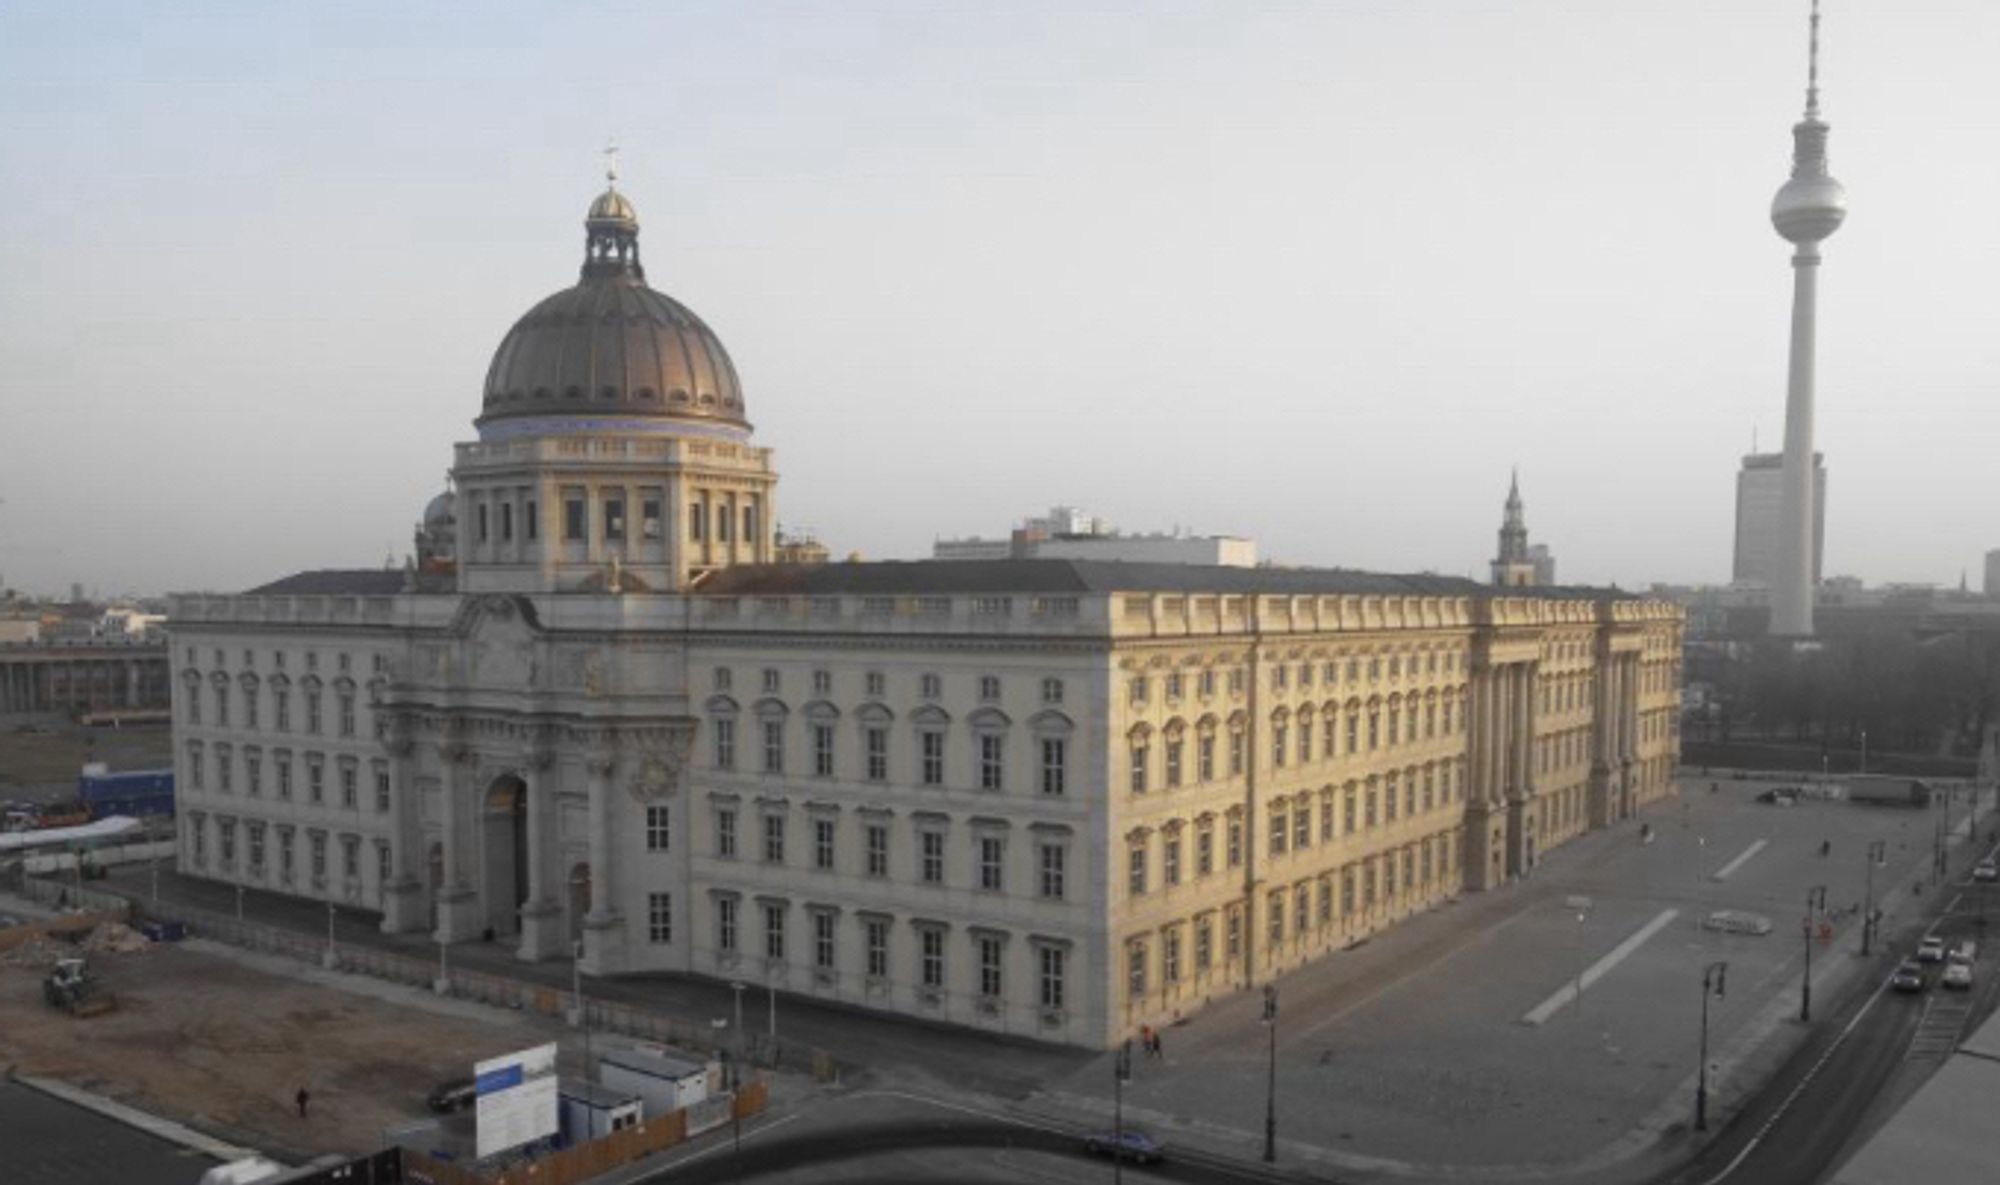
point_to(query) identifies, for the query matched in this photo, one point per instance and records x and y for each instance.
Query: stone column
(1472, 851)
(603, 926)
(404, 910)
(458, 904)
(541, 919)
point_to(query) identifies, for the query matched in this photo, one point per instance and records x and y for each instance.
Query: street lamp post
(736, 1075)
(1712, 978)
(1121, 1072)
(1271, 1075)
(582, 1009)
(332, 951)
(239, 901)
(1582, 906)
(1877, 852)
(1815, 900)
(1864, 750)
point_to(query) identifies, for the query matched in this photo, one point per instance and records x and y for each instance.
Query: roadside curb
(152, 1125)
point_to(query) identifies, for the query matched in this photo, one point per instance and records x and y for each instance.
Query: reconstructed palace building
(1057, 798)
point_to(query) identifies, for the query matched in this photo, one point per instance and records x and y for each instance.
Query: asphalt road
(886, 1136)
(1864, 1058)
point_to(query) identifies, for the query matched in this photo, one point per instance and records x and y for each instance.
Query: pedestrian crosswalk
(1941, 1026)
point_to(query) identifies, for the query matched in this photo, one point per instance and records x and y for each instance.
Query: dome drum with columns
(613, 450)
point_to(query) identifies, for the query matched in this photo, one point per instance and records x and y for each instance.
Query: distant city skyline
(1181, 264)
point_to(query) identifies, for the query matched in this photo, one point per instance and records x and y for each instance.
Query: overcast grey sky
(1313, 273)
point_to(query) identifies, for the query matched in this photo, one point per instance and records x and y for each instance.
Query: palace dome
(611, 346)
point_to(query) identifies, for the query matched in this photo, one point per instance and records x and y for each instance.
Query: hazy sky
(1315, 273)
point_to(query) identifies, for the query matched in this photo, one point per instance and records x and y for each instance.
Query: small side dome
(614, 208)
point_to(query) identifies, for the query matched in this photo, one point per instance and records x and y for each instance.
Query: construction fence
(583, 1161)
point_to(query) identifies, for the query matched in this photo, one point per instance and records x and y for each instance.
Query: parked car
(1931, 949)
(1986, 871)
(1909, 976)
(456, 1095)
(1130, 1144)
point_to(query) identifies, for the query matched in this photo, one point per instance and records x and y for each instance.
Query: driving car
(1956, 975)
(456, 1095)
(1909, 976)
(1130, 1144)
(1986, 871)
(1931, 949)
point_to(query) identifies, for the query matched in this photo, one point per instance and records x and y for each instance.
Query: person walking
(1159, 1053)
(301, 1099)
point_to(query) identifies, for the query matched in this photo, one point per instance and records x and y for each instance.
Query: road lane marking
(1798, 1089)
(1722, 873)
(1549, 1007)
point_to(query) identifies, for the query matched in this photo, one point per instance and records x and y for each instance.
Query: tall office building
(1808, 208)
(1760, 491)
(1992, 586)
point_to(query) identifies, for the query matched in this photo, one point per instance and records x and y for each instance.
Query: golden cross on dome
(611, 163)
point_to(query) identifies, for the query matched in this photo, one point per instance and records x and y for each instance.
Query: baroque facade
(1057, 798)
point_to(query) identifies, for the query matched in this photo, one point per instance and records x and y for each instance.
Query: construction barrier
(583, 1161)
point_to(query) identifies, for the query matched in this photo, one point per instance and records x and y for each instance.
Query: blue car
(1130, 1144)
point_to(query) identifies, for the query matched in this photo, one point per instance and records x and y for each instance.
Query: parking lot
(1459, 1039)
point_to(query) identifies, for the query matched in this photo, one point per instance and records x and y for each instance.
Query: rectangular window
(284, 767)
(1055, 766)
(1233, 934)
(823, 952)
(933, 958)
(1207, 684)
(315, 781)
(1236, 745)
(1170, 955)
(1170, 861)
(506, 522)
(481, 520)
(1054, 981)
(722, 521)
(1141, 750)
(573, 516)
(530, 521)
(931, 865)
(1054, 867)
(1280, 829)
(877, 840)
(1138, 690)
(1326, 816)
(725, 833)
(659, 828)
(281, 704)
(347, 714)
(989, 967)
(614, 518)
(660, 918)
(257, 847)
(1204, 850)
(1052, 691)
(875, 743)
(1233, 843)
(877, 935)
(382, 789)
(823, 844)
(822, 750)
(348, 789)
(1135, 968)
(312, 712)
(931, 756)
(222, 706)
(1135, 870)
(774, 932)
(725, 923)
(1347, 890)
(1205, 757)
(225, 768)
(250, 707)
(774, 839)
(992, 749)
(1302, 825)
(228, 846)
(774, 746)
(1389, 800)
(1305, 741)
(1173, 762)
(725, 742)
(1174, 685)
(697, 516)
(253, 773)
(992, 861)
(649, 517)
(1368, 809)
(1204, 943)
(930, 686)
(877, 684)
(318, 857)
(1301, 911)
(1274, 918)
(1278, 732)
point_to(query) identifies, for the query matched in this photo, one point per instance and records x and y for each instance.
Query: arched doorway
(504, 836)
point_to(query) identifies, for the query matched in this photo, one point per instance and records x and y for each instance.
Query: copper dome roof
(611, 346)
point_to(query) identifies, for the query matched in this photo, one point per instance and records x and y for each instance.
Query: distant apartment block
(1759, 496)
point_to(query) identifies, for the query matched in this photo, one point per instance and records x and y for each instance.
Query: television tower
(1808, 208)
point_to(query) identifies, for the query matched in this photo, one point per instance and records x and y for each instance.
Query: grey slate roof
(1057, 577)
(335, 582)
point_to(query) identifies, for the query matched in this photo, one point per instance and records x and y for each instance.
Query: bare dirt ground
(44, 755)
(202, 1039)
